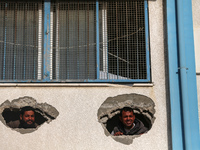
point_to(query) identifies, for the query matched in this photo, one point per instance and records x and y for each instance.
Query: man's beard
(23, 124)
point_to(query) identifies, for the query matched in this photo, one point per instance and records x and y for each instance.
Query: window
(74, 41)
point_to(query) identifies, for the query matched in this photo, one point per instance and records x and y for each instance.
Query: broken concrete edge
(124, 139)
(47, 111)
(140, 104)
(24, 131)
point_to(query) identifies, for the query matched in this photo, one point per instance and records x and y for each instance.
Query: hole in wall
(109, 114)
(114, 121)
(11, 115)
(23, 106)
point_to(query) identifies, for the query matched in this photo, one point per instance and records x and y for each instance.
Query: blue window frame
(74, 41)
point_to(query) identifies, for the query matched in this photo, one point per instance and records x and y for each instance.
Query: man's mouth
(29, 122)
(129, 122)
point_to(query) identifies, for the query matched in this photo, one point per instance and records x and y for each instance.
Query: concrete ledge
(74, 85)
(143, 84)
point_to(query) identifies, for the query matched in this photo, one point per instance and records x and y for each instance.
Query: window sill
(74, 85)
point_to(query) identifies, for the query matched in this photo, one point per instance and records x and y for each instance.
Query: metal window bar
(47, 41)
(51, 41)
(57, 42)
(147, 40)
(40, 52)
(97, 42)
(105, 40)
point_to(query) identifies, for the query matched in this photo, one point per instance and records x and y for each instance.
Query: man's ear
(120, 118)
(133, 117)
(20, 116)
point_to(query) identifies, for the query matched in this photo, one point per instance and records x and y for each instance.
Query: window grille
(123, 44)
(20, 40)
(74, 41)
(74, 34)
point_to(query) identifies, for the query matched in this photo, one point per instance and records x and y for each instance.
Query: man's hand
(118, 133)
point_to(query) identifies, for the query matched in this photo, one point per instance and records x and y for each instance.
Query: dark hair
(26, 108)
(126, 109)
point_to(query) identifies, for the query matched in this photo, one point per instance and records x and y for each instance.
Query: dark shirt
(19, 124)
(138, 129)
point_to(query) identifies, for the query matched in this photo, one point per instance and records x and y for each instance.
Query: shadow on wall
(11, 111)
(109, 112)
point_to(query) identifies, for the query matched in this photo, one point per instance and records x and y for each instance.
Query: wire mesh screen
(76, 53)
(123, 48)
(122, 40)
(74, 44)
(19, 36)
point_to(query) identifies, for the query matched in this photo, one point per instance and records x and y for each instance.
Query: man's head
(127, 117)
(27, 117)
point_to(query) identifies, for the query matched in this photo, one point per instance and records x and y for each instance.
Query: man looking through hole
(27, 119)
(128, 125)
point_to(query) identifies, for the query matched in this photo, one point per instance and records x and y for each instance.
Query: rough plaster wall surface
(77, 126)
(158, 63)
(196, 25)
(195, 11)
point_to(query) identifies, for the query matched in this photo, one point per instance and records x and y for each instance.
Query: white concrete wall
(77, 127)
(196, 26)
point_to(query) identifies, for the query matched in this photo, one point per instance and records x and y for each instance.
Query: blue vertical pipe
(183, 75)
(175, 109)
(191, 75)
(189, 99)
(183, 90)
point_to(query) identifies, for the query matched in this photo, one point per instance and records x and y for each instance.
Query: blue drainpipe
(182, 76)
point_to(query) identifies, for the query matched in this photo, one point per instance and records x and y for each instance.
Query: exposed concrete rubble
(10, 112)
(108, 113)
